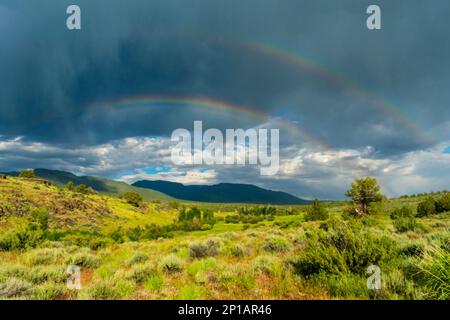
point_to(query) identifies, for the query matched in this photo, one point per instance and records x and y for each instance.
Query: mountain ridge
(221, 192)
(166, 190)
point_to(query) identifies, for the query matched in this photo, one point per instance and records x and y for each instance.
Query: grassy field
(140, 252)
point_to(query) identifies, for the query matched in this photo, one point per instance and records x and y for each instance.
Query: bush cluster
(404, 219)
(435, 273)
(171, 264)
(21, 239)
(431, 206)
(133, 198)
(344, 248)
(276, 244)
(204, 249)
(253, 215)
(316, 211)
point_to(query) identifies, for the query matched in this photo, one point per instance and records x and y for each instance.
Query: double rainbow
(209, 105)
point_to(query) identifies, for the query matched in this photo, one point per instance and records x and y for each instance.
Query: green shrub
(344, 286)
(238, 276)
(196, 219)
(138, 257)
(426, 207)
(396, 286)
(258, 211)
(204, 249)
(28, 174)
(202, 266)
(190, 214)
(316, 212)
(443, 203)
(12, 271)
(154, 283)
(349, 212)
(406, 224)
(117, 235)
(435, 273)
(140, 273)
(133, 198)
(83, 189)
(331, 223)
(232, 219)
(103, 290)
(48, 273)
(267, 264)
(412, 250)
(252, 215)
(203, 271)
(48, 291)
(191, 293)
(378, 208)
(21, 239)
(15, 288)
(83, 259)
(181, 251)
(230, 235)
(171, 264)
(39, 218)
(276, 244)
(9, 241)
(43, 256)
(403, 212)
(318, 258)
(111, 289)
(370, 221)
(70, 186)
(345, 248)
(237, 250)
(96, 243)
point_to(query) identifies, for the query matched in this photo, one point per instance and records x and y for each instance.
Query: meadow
(128, 249)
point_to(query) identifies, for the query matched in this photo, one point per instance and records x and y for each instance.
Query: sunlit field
(175, 250)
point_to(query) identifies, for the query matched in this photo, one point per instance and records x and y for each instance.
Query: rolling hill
(101, 185)
(165, 190)
(223, 193)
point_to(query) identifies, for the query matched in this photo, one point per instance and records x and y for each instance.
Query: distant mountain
(165, 190)
(100, 185)
(222, 193)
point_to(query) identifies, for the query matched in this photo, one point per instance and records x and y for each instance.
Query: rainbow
(339, 80)
(218, 105)
(212, 104)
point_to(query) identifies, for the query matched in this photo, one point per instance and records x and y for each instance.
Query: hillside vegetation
(101, 185)
(129, 248)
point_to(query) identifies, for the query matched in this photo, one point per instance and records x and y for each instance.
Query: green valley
(131, 248)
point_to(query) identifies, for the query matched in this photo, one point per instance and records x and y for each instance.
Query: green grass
(287, 258)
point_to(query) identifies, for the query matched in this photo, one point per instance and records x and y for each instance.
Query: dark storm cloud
(51, 75)
(177, 48)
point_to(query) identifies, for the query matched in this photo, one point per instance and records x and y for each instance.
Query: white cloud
(413, 172)
(303, 171)
(104, 159)
(189, 176)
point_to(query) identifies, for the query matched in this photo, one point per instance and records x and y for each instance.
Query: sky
(349, 102)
